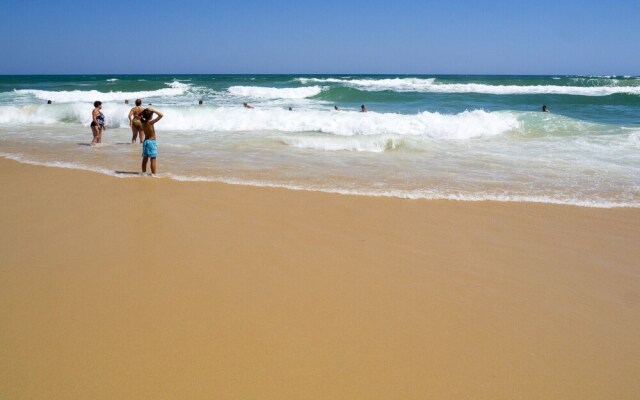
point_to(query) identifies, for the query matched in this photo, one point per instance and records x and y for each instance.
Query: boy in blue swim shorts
(149, 149)
(149, 146)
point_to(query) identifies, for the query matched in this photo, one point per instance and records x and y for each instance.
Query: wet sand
(155, 289)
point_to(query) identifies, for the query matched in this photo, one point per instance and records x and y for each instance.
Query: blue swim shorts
(149, 148)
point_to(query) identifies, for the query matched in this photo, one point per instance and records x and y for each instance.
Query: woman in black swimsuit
(97, 122)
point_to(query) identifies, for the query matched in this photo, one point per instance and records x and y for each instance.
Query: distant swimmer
(335, 108)
(149, 146)
(290, 109)
(545, 109)
(135, 123)
(126, 102)
(97, 123)
(200, 102)
(246, 105)
(48, 101)
(363, 108)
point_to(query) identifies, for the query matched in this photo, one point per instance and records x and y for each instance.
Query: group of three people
(142, 124)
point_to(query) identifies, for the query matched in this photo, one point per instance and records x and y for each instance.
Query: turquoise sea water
(455, 137)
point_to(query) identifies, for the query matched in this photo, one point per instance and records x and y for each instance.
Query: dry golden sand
(153, 289)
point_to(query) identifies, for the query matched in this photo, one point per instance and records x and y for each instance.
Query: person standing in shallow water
(135, 123)
(149, 146)
(97, 123)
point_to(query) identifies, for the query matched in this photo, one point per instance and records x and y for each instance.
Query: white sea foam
(464, 125)
(432, 86)
(634, 139)
(336, 143)
(112, 80)
(395, 84)
(72, 96)
(258, 92)
(61, 164)
(417, 194)
(71, 113)
(32, 114)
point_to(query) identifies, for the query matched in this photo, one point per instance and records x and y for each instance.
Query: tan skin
(136, 128)
(97, 129)
(150, 134)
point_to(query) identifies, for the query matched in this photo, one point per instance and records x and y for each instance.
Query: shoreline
(154, 288)
(344, 192)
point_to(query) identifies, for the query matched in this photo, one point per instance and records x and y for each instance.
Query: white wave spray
(72, 96)
(258, 92)
(464, 125)
(432, 86)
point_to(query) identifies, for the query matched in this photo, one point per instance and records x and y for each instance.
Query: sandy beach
(156, 289)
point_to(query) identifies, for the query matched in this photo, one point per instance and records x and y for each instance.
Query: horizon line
(334, 73)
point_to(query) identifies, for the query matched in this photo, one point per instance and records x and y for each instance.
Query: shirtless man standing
(134, 122)
(149, 147)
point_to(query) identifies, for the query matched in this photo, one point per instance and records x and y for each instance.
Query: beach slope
(154, 289)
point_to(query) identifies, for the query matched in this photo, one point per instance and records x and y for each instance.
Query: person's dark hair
(97, 103)
(138, 102)
(146, 115)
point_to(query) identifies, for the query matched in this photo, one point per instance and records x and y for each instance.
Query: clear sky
(320, 36)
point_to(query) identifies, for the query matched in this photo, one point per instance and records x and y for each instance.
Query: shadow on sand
(119, 143)
(129, 172)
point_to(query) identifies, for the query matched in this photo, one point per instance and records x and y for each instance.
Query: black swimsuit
(100, 119)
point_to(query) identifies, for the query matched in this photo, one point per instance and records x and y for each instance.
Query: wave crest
(464, 125)
(432, 86)
(258, 92)
(74, 96)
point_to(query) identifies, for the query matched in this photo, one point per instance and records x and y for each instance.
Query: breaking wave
(467, 124)
(258, 92)
(432, 86)
(73, 96)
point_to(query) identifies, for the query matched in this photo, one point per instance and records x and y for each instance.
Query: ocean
(434, 136)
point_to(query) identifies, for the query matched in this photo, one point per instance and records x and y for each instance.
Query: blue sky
(402, 36)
